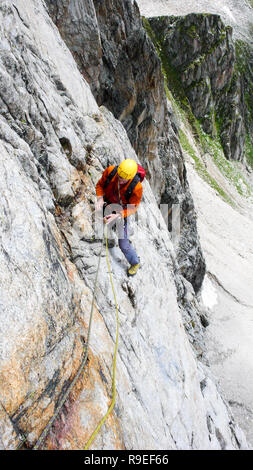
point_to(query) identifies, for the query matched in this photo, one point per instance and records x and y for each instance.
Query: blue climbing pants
(126, 246)
(123, 235)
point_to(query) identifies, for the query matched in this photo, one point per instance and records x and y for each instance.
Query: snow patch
(209, 294)
(229, 13)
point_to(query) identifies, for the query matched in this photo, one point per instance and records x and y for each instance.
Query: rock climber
(120, 188)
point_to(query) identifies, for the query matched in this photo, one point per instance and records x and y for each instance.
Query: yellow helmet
(127, 169)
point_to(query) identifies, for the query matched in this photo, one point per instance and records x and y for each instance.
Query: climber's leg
(126, 247)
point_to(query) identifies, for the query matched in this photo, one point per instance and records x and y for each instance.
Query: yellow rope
(64, 398)
(91, 439)
(81, 368)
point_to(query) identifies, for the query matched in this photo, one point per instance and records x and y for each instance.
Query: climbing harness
(81, 368)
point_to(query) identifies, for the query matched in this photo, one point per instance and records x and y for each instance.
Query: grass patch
(249, 150)
(201, 169)
(226, 167)
(207, 144)
(170, 74)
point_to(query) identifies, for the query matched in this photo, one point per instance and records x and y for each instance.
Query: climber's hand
(110, 218)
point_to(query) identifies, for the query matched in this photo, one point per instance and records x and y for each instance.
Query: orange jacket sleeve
(101, 182)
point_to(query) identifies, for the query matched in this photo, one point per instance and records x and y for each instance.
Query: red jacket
(112, 194)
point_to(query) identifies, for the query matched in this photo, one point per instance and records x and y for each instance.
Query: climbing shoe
(133, 269)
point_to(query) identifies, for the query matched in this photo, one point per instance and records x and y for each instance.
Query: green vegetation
(150, 31)
(226, 167)
(206, 143)
(170, 75)
(201, 169)
(244, 66)
(249, 150)
(192, 31)
(213, 147)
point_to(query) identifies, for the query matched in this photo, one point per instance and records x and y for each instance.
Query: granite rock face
(128, 73)
(77, 23)
(200, 56)
(55, 141)
(131, 85)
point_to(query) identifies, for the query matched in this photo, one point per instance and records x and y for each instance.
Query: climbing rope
(66, 394)
(94, 434)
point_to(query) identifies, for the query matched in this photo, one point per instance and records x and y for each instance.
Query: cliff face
(131, 85)
(199, 56)
(237, 14)
(55, 142)
(211, 64)
(129, 80)
(223, 197)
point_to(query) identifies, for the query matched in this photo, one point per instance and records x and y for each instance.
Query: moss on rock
(198, 60)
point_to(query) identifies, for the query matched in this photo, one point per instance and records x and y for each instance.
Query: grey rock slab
(46, 298)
